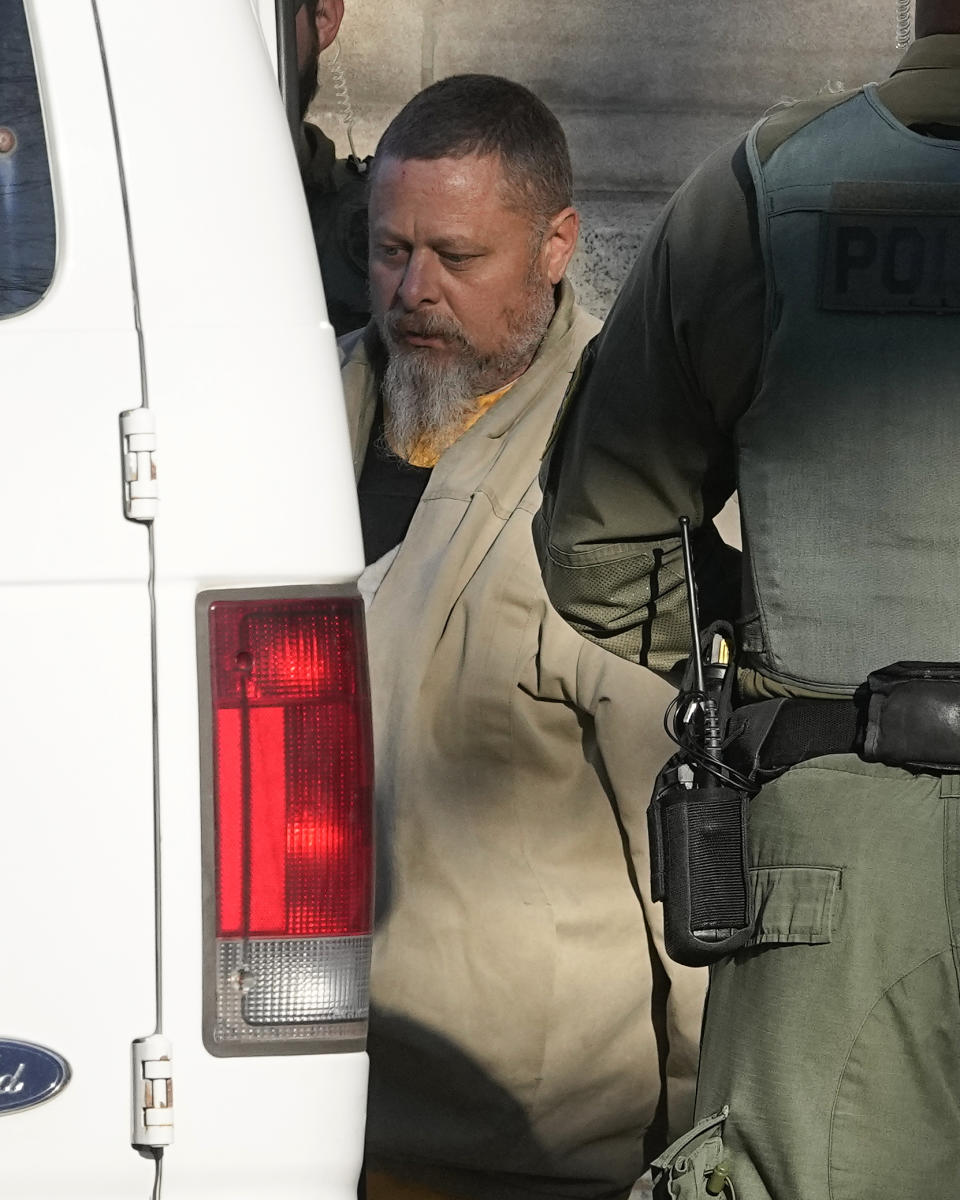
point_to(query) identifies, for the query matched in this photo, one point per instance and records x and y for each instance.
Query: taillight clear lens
(292, 773)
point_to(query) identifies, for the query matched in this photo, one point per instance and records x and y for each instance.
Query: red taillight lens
(293, 769)
(292, 788)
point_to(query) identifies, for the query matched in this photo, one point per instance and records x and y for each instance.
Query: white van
(185, 758)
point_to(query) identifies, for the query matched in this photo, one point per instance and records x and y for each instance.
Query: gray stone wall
(645, 89)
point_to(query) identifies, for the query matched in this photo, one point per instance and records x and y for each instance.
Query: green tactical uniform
(337, 191)
(805, 347)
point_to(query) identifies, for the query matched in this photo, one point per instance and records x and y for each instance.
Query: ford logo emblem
(29, 1074)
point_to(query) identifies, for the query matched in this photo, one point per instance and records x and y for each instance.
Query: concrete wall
(645, 89)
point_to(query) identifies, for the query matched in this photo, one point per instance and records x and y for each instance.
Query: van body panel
(256, 489)
(235, 331)
(76, 949)
(267, 466)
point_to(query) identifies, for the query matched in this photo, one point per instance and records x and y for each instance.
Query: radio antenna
(692, 602)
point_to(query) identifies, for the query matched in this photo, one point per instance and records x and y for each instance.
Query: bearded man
(523, 1028)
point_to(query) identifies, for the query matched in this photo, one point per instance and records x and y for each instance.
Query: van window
(27, 231)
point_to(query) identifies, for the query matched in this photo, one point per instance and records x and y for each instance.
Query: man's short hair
(485, 114)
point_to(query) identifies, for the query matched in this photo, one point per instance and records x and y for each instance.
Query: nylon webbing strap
(808, 729)
(769, 737)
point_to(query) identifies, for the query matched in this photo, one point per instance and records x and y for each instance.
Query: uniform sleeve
(646, 431)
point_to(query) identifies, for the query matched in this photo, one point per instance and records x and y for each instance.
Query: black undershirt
(389, 492)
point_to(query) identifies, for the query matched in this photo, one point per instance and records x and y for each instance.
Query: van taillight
(290, 822)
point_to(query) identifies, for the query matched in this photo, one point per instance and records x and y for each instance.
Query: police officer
(336, 188)
(793, 329)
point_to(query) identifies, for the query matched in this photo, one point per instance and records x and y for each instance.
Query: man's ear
(559, 243)
(329, 16)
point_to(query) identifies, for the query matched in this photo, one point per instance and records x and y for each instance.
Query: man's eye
(457, 260)
(390, 251)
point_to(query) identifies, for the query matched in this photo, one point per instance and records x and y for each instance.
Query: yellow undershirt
(427, 452)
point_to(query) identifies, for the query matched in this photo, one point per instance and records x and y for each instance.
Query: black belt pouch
(913, 717)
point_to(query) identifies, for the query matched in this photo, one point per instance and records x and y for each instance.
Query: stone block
(612, 230)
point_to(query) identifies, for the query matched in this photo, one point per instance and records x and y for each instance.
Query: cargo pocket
(694, 1167)
(794, 905)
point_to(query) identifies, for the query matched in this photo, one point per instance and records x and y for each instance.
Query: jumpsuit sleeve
(646, 430)
(627, 706)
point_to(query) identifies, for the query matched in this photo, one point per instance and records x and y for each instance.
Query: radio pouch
(698, 842)
(913, 716)
(697, 824)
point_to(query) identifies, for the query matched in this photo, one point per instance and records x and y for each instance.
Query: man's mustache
(426, 325)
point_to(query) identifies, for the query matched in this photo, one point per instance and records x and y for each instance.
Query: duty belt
(905, 715)
(767, 738)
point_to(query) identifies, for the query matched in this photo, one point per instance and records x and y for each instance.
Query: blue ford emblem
(29, 1074)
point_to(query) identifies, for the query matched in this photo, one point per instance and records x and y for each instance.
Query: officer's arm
(647, 433)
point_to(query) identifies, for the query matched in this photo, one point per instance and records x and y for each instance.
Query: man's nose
(421, 280)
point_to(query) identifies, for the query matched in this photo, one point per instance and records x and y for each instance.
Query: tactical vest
(849, 455)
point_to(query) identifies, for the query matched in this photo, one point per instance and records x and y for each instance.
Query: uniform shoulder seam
(784, 123)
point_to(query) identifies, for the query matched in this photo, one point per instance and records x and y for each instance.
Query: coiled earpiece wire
(342, 92)
(904, 24)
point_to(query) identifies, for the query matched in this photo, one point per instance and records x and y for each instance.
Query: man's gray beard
(423, 396)
(430, 398)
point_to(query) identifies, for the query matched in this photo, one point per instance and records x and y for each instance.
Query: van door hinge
(138, 435)
(152, 1123)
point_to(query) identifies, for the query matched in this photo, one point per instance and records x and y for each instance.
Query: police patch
(892, 249)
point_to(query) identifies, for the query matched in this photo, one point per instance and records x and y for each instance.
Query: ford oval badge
(29, 1074)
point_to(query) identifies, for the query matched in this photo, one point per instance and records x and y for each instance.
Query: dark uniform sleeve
(646, 430)
(337, 193)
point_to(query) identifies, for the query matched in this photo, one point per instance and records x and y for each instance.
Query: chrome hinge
(152, 1123)
(138, 435)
